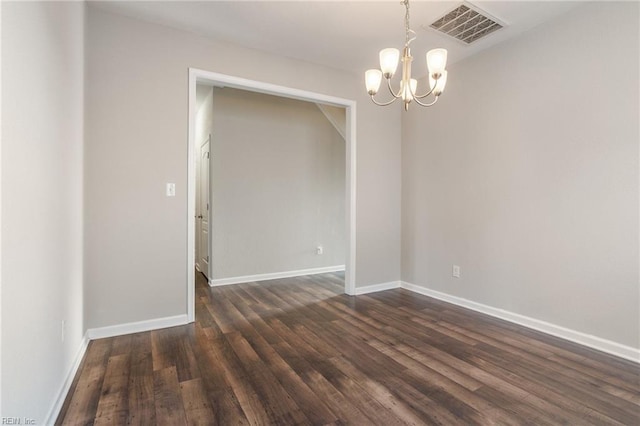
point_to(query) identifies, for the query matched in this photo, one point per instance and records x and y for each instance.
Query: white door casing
(204, 207)
(198, 224)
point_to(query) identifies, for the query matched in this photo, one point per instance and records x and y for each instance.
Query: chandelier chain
(407, 26)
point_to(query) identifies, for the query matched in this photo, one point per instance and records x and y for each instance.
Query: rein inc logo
(17, 421)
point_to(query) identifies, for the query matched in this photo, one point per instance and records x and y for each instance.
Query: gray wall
(526, 175)
(136, 136)
(42, 116)
(278, 179)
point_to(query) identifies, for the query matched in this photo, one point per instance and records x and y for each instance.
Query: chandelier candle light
(436, 63)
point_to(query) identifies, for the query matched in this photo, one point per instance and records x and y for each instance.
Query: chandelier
(436, 63)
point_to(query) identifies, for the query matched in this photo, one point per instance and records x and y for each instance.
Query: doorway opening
(197, 140)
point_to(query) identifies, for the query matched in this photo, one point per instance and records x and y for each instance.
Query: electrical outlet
(455, 272)
(319, 250)
(62, 324)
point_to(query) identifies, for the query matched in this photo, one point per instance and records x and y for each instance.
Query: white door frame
(207, 211)
(222, 80)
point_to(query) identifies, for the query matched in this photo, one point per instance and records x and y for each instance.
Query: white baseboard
(54, 411)
(275, 275)
(136, 327)
(377, 287)
(604, 345)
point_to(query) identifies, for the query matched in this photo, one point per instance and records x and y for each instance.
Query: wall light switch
(319, 250)
(171, 190)
(455, 271)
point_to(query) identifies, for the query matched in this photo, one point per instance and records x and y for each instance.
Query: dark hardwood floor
(296, 351)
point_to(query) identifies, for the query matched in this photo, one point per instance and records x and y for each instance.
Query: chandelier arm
(426, 105)
(396, 96)
(382, 103)
(426, 94)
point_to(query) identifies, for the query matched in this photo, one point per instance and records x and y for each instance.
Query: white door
(203, 208)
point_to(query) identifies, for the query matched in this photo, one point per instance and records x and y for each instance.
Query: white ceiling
(345, 35)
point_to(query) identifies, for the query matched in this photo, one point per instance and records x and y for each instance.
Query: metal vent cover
(466, 24)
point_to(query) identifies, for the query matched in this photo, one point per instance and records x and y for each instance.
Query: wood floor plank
(278, 401)
(141, 386)
(532, 365)
(168, 399)
(264, 340)
(340, 403)
(186, 363)
(113, 407)
(412, 358)
(571, 362)
(510, 384)
(309, 363)
(298, 351)
(438, 389)
(233, 399)
(400, 410)
(85, 397)
(164, 344)
(72, 389)
(378, 366)
(196, 404)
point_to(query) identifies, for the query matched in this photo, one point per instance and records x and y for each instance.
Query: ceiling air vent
(466, 24)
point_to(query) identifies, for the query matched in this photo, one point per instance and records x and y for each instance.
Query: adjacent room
(318, 212)
(277, 193)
